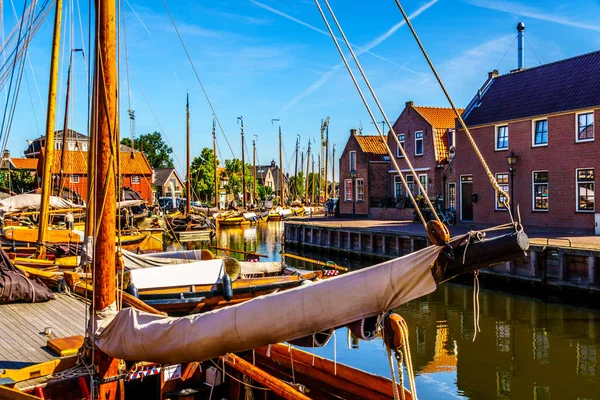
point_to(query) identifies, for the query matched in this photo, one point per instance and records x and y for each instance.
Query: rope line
(391, 155)
(486, 168)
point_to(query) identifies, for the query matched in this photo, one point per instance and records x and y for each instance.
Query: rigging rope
(381, 135)
(197, 76)
(486, 168)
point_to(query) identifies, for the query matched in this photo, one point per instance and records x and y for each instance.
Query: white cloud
(523, 10)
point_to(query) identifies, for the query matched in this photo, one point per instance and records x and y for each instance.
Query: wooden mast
(188, 185)
(214, 134)
(241, 119)
(65, 128)
(333, 172)
(49, 141)
(105, 205)
(254, 169)
(281, 182)
(327, 162)
(307, 170)
(296, 170)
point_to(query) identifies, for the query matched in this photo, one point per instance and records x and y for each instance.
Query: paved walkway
(539, 236)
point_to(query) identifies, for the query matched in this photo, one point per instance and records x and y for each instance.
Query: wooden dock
(556, 260)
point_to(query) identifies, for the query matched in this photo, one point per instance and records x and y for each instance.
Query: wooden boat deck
(22, 339)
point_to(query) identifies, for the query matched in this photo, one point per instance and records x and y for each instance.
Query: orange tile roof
(24, 163)
(372, 144)
(441, 143)
(76, 163)
(439, 117)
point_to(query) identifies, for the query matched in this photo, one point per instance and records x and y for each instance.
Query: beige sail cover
(138, 336)
(31, 201)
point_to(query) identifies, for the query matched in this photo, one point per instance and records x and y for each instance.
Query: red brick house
(365, 154)
(426, 133)
(547, 116)
(135, 171)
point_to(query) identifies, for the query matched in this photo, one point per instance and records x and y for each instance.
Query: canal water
(526, 348)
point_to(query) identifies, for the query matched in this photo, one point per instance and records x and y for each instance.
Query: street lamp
(353, 176)
(512, 161)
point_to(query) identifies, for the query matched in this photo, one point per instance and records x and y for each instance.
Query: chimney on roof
(353, 132)
(521, 38)
(6, 154)
(410, 104)
(493, 74)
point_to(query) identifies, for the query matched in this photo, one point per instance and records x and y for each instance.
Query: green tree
(313, 178)
(158, 153)
(297, 186)
(233, 169)
(17, 181)
(264, 192)
(202, 173)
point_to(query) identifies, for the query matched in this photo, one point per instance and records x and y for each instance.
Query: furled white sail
(31, 201)
(134, 335)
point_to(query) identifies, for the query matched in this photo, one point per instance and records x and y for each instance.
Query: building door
(451, 204)
(466, 199)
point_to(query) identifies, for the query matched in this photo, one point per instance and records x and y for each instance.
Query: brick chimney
(353, 132)
(493, 74)
(6, 154)
(410, 104)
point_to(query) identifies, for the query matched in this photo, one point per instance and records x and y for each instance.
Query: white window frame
(412, 190)
(136, 180)
(496, 201)
(346, 198)
(577, 191)
(358, 199)
(395, 186)
(577, 140)
(533, 191)
(424, 186)
(350, 160)
(496, 129)
(533, 132)
(450, 199)
(402, 142)
(74, 179)
(422, 139)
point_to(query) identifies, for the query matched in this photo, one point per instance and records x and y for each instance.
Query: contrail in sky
(314, 28)
(360, 50)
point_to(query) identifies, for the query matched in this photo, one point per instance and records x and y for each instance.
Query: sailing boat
(280, 212)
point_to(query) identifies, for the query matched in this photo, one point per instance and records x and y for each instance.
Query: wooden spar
(333, 172)
(65, 129)
(326, 190)
(106, 132)
(7, 393)
(243, 165)
(333, 266)
(296, 171)
(188, 185)
(254, 171)
(49, 141)
(278, 387)
(214, 134)
(312, 195)
(281, 182)
(237, 251)
(307, 170)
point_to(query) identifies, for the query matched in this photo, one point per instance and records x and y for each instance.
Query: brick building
(427, 134)
(548, 117)
(365, 154)
(135, 170)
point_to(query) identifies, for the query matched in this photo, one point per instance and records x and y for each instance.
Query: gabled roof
(439, 117)
(371, 144)
(24, 163)
(162, 175)
(564, 85)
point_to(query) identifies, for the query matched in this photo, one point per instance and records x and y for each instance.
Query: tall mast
(296, 169)
(326, 190)
(312, 197)
(106, 133)
(49, 146)
(214, 134)
(307, 170)
(333, 172)
(320, 178)
(188, 185)
(241, 120)
(254, 169)
(281, 182)
(65, 128)
(321, 157)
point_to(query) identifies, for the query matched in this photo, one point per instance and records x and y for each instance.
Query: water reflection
(526, 349)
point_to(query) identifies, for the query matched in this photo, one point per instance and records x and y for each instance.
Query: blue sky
(272, 59)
